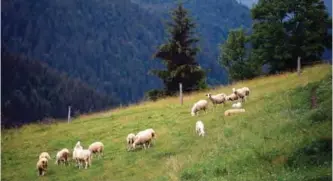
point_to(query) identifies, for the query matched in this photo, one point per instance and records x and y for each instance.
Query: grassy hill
(280, 137)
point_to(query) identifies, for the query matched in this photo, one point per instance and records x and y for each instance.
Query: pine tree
(179, 55)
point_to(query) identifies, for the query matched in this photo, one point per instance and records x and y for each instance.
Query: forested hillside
(33, 91)
(109, 44)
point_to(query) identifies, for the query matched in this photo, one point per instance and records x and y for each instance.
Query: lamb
(242, 92)
(42, 166)
(45, 155)
(217, 99)
(97, 147)
(143, 137)
(62, 156)
(233, 111)
(199, 128)
(130, 140)
(200, 105)
(237, 105)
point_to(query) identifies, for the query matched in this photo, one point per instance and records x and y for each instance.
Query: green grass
(279, 137)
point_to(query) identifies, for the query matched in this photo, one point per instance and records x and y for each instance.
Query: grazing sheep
(84, 155)
(143, 137)
(232, 97)
(130, 140)
(97, 147)
(62, 156)
(45, 155)
(42, 166)
(199, 128)
(75, 152)
(200, 105)
(237, 105)
(233, 111)
(242, 92)
(217, 99)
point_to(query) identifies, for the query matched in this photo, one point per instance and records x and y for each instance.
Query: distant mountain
(109, 44)
(32, 91)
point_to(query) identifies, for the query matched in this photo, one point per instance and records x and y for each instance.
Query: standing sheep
(42, 166)
(45, 155)
(130, 140)
(75, 152)
(217, 99)
(62, 156)
(199, 128)
(200, 105)
(97, 147)
(242, 92)
(233, 111)
(143, 137)
(84, 156)
(232, 97)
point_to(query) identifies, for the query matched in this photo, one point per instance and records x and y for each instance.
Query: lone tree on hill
(178, 55)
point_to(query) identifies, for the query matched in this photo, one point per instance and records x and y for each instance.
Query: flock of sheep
(80, 156)
(144, 137)
(222, 98)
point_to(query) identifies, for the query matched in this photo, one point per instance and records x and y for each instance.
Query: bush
(154, 94)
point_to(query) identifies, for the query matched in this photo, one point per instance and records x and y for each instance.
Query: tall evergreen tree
(286, 29)
(179, 55)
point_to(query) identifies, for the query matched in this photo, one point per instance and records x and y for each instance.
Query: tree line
(282, 31)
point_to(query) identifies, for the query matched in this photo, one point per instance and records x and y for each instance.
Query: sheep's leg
(86, 162)
(144, 146)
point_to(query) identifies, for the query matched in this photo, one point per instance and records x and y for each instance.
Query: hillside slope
(108, 44)
(280, 137)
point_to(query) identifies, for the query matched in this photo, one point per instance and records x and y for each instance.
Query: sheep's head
(208, 95)
(192, 113)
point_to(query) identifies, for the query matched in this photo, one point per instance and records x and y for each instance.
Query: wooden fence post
(181, 93)
(298, 66)
(69, 114)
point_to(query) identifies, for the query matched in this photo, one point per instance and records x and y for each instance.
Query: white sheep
(199, 128)
(44, 155)
(42, 166)
(62, 156)
(231, 97)
(130, 140)
(75, 151)
(233, 111)
(242, 92)
(97, 147)
(84, 155)
(143, 137)
(237, 105)
(200, 105)
(217, 99)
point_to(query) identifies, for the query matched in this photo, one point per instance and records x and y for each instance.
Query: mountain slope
(32, 91)
(279, 137)
(108, 44)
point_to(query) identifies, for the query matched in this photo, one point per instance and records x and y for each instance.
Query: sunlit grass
(250, 146)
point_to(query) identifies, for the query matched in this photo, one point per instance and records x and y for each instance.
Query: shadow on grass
(318, 153)
(323, 178)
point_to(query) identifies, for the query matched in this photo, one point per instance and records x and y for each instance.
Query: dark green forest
(33, 91)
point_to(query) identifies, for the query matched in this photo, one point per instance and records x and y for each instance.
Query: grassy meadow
(285, 134)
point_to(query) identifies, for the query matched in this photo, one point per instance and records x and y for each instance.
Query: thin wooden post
(69, 114)
(181, 93)
(298, 66)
